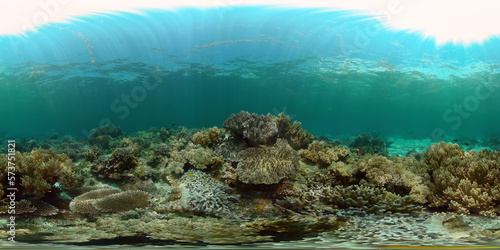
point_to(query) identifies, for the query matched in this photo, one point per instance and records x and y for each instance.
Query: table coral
(107, 199)
(266, 164)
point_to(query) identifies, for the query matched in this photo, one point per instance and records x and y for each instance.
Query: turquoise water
(337, 72)
(340, 73)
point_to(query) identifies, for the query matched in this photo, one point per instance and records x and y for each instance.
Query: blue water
(338, 72)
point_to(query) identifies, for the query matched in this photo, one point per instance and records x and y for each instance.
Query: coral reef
(40, 170)
(267, 164)
(118, 165)
(292, 132)
(207, 136)
(465, 182)
(367, 144)
(199, 157)
(321, 153)
(108, 130)
(257, 130)
(31, 208)
(259, 175)
(203, 195)
(369, 199)
(106, 199)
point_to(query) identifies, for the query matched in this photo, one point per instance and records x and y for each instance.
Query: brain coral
(252, 127)
(267, 165)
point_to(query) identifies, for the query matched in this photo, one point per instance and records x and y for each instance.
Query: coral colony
(237, 183)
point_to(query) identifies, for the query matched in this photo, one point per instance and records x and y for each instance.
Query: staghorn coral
(267, 165)
(40, 170)
(252, 127)
(465, 182)
(202, 194)
(207, 136)
(296, 136)
(320, 152)
(106, 199)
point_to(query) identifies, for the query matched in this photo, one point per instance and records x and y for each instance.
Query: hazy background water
(337, 72)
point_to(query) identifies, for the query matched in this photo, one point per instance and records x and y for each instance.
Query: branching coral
(296, 136)
(369, 145)
(400, 175)
(117, 166)
(369, 199)
(40, 170)
(267, 165)
(320, 152)
(198, 157)
(207, 136)
(252, 127)
(466, 182)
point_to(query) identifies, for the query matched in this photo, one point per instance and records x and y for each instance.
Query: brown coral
(207, 136)
(252, 127)
(40, 170)
(267, 165)
(108, 200)
(321, 153)
(466, 182)
(296, 136)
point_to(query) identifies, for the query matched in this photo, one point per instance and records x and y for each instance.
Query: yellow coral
(267, 165)
(320, 152)
(207, 136)
(41, 169)
(466, 182)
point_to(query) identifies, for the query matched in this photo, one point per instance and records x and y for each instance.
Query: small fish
(190, 175)
(113, 148)
(173, 124)
(94, 145)
(455, 140)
